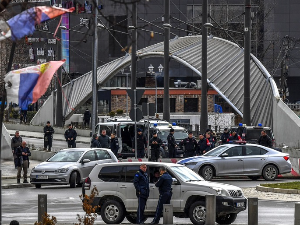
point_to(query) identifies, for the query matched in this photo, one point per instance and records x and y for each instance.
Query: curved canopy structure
(225, 75)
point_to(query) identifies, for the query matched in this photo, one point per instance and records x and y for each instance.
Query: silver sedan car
(70, 166)
(249, 160)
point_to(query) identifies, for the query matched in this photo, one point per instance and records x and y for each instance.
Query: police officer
(265, 140)
(155, 144)
(95, 143)
(165, 193)
(234, 136)
(225, 136)
(171, 144)
(70, 136)
(114, 144)
(141, 184)
(141, 144)
(190, 145)
(209, 143)
(48, 132)
(201, 145)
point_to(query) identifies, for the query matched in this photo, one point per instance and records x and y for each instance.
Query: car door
(232, 163)
(87, 167)
(254, 160)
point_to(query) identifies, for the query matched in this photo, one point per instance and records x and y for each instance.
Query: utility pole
(167, 26)
(204, 116)
(58, 113)
(247, 50)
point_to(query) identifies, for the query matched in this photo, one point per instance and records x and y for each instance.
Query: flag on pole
(24, 23)
(25, 86)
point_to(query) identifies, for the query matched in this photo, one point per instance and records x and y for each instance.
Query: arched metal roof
(225, 74)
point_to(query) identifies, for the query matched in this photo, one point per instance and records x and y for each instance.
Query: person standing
(141, 184)
(23, 154)
(104, 139)
(190, 145)
(48, 136)
(155, 144)
(202, 145)
(225, 136)
(172, 144)
(265, 140)
(114, 144)
(209, 143)
(86, 118)
(70, 136)
(95, 143)
(141, 144)
(165, 193)
(234, 136)
(16, 142)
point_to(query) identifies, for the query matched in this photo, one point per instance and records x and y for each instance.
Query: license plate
(240, 204)
(41, 177)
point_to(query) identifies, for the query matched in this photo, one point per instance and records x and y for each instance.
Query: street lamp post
(160, 69)
(122, 70)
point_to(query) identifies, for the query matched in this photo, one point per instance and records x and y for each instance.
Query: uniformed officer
(155, 144)
(201, 145)
(141, 184)
(190, 145)
(171, 144)
(70, 136)
(114, 144)
(165, 193)
(141, 144)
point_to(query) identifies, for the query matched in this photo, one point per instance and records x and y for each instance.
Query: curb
(10, 186)
(9, 177)
(277, 190)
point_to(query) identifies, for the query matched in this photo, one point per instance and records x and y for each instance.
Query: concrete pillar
(253, 211)
(42, 206)
(210, 210)
(297, 213)
(168, 214)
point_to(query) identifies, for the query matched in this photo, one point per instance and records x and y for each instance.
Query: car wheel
(254, 177)
(227, 219)
(112, 212)
(207, 172)
(38, 185)
(270, 172)
(73, 180)
(197, 213)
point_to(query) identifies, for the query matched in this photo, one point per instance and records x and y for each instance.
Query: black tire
(254, 177)
(112, 212)
(207, 172)
(131, 218)
(73, 180)
(270, 172)
(197, 213)
(38, 185)
(227, 219)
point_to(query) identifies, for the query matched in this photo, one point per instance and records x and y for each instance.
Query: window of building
(191, 105)
(160, 105)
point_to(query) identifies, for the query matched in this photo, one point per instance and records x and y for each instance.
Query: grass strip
(289, 185)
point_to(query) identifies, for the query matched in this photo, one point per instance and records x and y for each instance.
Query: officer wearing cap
(171, 144)
(70, 136)
(201, 145)
(225, 136)
(190, 145)
(155, 144)
(48, 134)
(141, 144)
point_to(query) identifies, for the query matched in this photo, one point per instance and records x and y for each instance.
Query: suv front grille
(235, 193)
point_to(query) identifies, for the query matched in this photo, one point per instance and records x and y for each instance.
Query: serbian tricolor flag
(24, 23)
(25, 86)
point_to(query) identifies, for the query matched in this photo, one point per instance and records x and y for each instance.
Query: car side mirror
(224, 155)
(85, 161)
(174, 181)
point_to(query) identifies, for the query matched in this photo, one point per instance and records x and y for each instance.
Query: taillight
(286, 158)
(87, 183)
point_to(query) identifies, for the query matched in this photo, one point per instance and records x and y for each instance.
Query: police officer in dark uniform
(70, 136)
(141, 144)
(225, 136)
(155, 144)
(165, 192)
(171, 144)
(265, 140)
(141, 184)
(202, 145)
(114, 144)
(190, 145)
(48, 134)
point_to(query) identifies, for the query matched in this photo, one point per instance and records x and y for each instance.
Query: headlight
(220, 191)
(33, 170)
(63, 170)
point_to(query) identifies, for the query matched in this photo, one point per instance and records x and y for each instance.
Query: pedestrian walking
(70, 136)
(86, 118)
(16, 142)
(265, 140)
(202, 145)
(48, 136)
(114, 144)
(172, 144)
(165, 193)
(95, 143)
(155, 144)
(141, 184)
(225, 136)
(104, 139)
(189, 144)
(23, 154)
(141, 144)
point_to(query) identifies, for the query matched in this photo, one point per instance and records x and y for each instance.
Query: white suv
(117, 197)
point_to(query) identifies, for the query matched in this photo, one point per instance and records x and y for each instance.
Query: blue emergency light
(173, 124)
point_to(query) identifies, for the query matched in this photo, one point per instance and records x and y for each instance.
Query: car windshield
(186, 174)
(216, 151)
(66, 156)
(178, 135)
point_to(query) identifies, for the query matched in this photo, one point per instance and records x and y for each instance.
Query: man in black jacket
(95, 143)
(104, 139)
(23, 154)
(265, 140)
(141, 144)
(190, 145)
(225, 136)
(202, 145)
(48, 136)
(114, 144)
(86, 118)
(70, 136)
(16, 142)
(155, 144)
(141, 184)
(171, 144)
